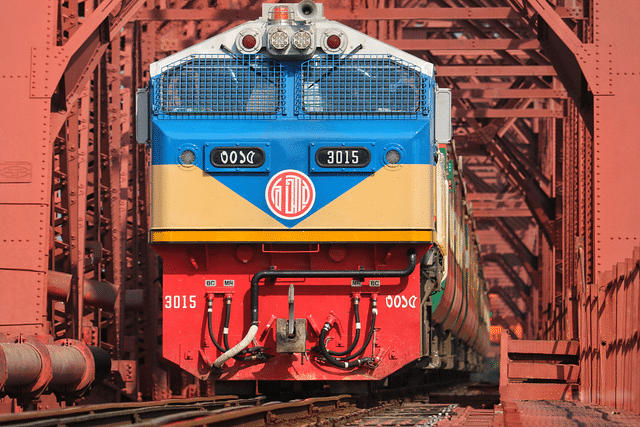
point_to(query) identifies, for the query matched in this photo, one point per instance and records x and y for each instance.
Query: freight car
(307, 208)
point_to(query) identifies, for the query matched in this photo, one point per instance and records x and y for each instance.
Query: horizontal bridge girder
(373, 14)
(410, 13)
(506, 112)
(464, 44)
(499, 93)
(494, 208)
(495, 70)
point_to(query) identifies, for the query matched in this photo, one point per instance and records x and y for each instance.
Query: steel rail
(272, 413)
(402, 405)
(185, 412)
(129, 413)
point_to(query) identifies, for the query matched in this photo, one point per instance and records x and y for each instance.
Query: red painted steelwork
(30, 367)
(609, 324)
(553, 413)
(96, 294)
(55, 198)
(537, 369)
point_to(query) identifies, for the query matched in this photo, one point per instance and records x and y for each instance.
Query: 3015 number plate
(237, 157)
(343, 157)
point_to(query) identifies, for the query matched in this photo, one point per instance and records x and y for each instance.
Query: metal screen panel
(220, 85)
(360, 84)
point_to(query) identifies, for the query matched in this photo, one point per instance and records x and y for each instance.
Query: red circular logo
(290, 194)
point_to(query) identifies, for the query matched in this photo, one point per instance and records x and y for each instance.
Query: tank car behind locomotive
(304, 205)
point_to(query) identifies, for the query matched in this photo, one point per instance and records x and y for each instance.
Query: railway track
(228, 411)
(131, 413)
(422, 406)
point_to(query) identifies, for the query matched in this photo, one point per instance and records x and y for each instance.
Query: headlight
(302, 40)
(279, 40)
(392, 157)
(187, 157)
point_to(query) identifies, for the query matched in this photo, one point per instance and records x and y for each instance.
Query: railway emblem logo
(290, 194)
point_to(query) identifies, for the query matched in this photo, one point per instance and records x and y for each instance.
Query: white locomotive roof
(356, 42)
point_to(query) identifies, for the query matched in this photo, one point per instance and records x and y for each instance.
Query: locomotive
(308, 209)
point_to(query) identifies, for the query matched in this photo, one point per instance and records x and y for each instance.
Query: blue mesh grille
(220, 85)
(360, 84)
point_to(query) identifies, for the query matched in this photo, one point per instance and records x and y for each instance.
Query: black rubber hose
(374, 313)
(356, 305)
(210, 322)
(333, 360)
(227, 317)
(273, 274)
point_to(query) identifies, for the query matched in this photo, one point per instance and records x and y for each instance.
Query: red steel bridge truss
(545, 101)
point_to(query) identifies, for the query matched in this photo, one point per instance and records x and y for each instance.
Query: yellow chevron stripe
(315, 236)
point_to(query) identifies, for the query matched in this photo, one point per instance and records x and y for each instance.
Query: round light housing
(279, 40)
(302, 40)
(334, 41)
(187, 157)
(392, 157)
(249, 41)
(280, 13)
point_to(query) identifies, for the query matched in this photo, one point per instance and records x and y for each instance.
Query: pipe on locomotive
(356, 309)
(291, 274)
(344, 362)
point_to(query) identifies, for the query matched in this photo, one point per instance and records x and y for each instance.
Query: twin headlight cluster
(287, 35)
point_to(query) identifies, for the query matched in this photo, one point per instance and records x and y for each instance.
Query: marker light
(187, 157)
(392, 157)
(334, 42)
(279, 40)
(249, 41)
(302, 40)
(280, 13)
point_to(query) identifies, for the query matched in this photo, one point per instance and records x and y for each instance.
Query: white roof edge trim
(355, 38)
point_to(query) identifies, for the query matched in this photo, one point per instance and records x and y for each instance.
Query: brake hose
(374, 313)
(345, 361)
(356, 305)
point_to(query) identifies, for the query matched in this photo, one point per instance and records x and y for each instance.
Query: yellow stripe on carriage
(286, 236)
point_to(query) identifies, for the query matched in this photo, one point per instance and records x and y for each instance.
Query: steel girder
(73, 183)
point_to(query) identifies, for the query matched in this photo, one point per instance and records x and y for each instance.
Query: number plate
(343, 157)
(239, 158)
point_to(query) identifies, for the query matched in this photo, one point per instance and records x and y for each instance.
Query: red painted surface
(185, 290)
(538, 369)
(541, 413)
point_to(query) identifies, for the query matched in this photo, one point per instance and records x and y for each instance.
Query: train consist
(307, 208)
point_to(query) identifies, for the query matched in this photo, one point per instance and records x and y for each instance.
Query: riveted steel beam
(498, 93)
(519, 285)
(463, 44)
(495, 70)
(492, 205)
(540, 204)
(368, 14)
(508, 300)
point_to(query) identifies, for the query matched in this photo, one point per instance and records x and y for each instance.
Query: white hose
(253, 330)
